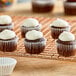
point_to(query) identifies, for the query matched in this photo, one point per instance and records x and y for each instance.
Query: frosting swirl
(30, 22)
(5, 19)
(7, 34)
(66, 36)
(33, 35)
(59, 23)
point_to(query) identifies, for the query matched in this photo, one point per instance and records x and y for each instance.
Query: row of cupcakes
(34, 41)
(8, 42)
(65, 40)
(60, 30)
(9, 39)
(42, 6)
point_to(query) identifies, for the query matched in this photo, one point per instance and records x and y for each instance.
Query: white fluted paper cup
(10, 27)
(7, 66)
(24, 29)
(55, 32)
(35, 47)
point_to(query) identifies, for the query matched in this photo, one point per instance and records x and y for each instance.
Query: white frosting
(5, 19)
(33, 35)
(59, 23)
(66, 36)
(30, 22)
(70, 4)
(43, 2)
(7, 34)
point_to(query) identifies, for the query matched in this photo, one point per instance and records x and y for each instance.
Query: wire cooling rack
(50, 51)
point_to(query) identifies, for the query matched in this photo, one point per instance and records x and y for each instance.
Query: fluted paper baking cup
(35, 47)
(26, 29)
(10, 27)
(9, 45)
(55, 32)
(7, 66)
(66, 50)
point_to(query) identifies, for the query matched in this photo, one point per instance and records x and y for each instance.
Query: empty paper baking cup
(7, 66)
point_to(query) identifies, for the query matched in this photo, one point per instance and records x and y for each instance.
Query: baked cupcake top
(34, 35)
(66, 36)
(30, 22)
(7, 34)
(60, 23)
(5, 19)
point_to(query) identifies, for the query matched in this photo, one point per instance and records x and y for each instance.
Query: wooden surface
(41, 67)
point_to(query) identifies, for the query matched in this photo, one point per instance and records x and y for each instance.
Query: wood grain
(42, 67)
(39, 67)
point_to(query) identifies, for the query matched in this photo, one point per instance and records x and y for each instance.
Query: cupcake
(34, 42)
(70, 7)
(42, 6)
(7, 66)
(30, 24)
(58, 26)
(8, 41)
(6, 23)
(66, 44)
